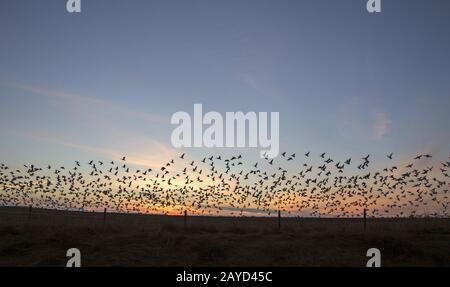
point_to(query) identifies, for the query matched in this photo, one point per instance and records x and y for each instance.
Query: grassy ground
(144, 240)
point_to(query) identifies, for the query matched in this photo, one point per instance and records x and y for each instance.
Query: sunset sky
(104, 83)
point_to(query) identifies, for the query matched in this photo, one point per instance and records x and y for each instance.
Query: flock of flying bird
(232, 186)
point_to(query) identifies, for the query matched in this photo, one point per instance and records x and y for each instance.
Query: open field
(152, 240)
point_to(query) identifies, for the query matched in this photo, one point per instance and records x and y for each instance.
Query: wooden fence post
(279, 219)
(365, 219)
(185, 219)
(104, 217)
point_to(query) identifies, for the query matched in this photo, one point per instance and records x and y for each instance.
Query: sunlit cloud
(154, 155)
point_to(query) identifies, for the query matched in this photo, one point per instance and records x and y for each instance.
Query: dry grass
(138, 240)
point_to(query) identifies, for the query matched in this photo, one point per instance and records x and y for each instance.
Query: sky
(105, 82)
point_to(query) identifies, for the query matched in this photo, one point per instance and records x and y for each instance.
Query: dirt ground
(43, 238)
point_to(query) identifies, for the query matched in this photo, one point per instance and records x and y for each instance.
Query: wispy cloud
(260, 86)
(364, 120)
(82, 100)
(114, 130)
(381, 124)
(154, 155)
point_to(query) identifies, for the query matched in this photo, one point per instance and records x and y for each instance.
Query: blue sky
(105, 82)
